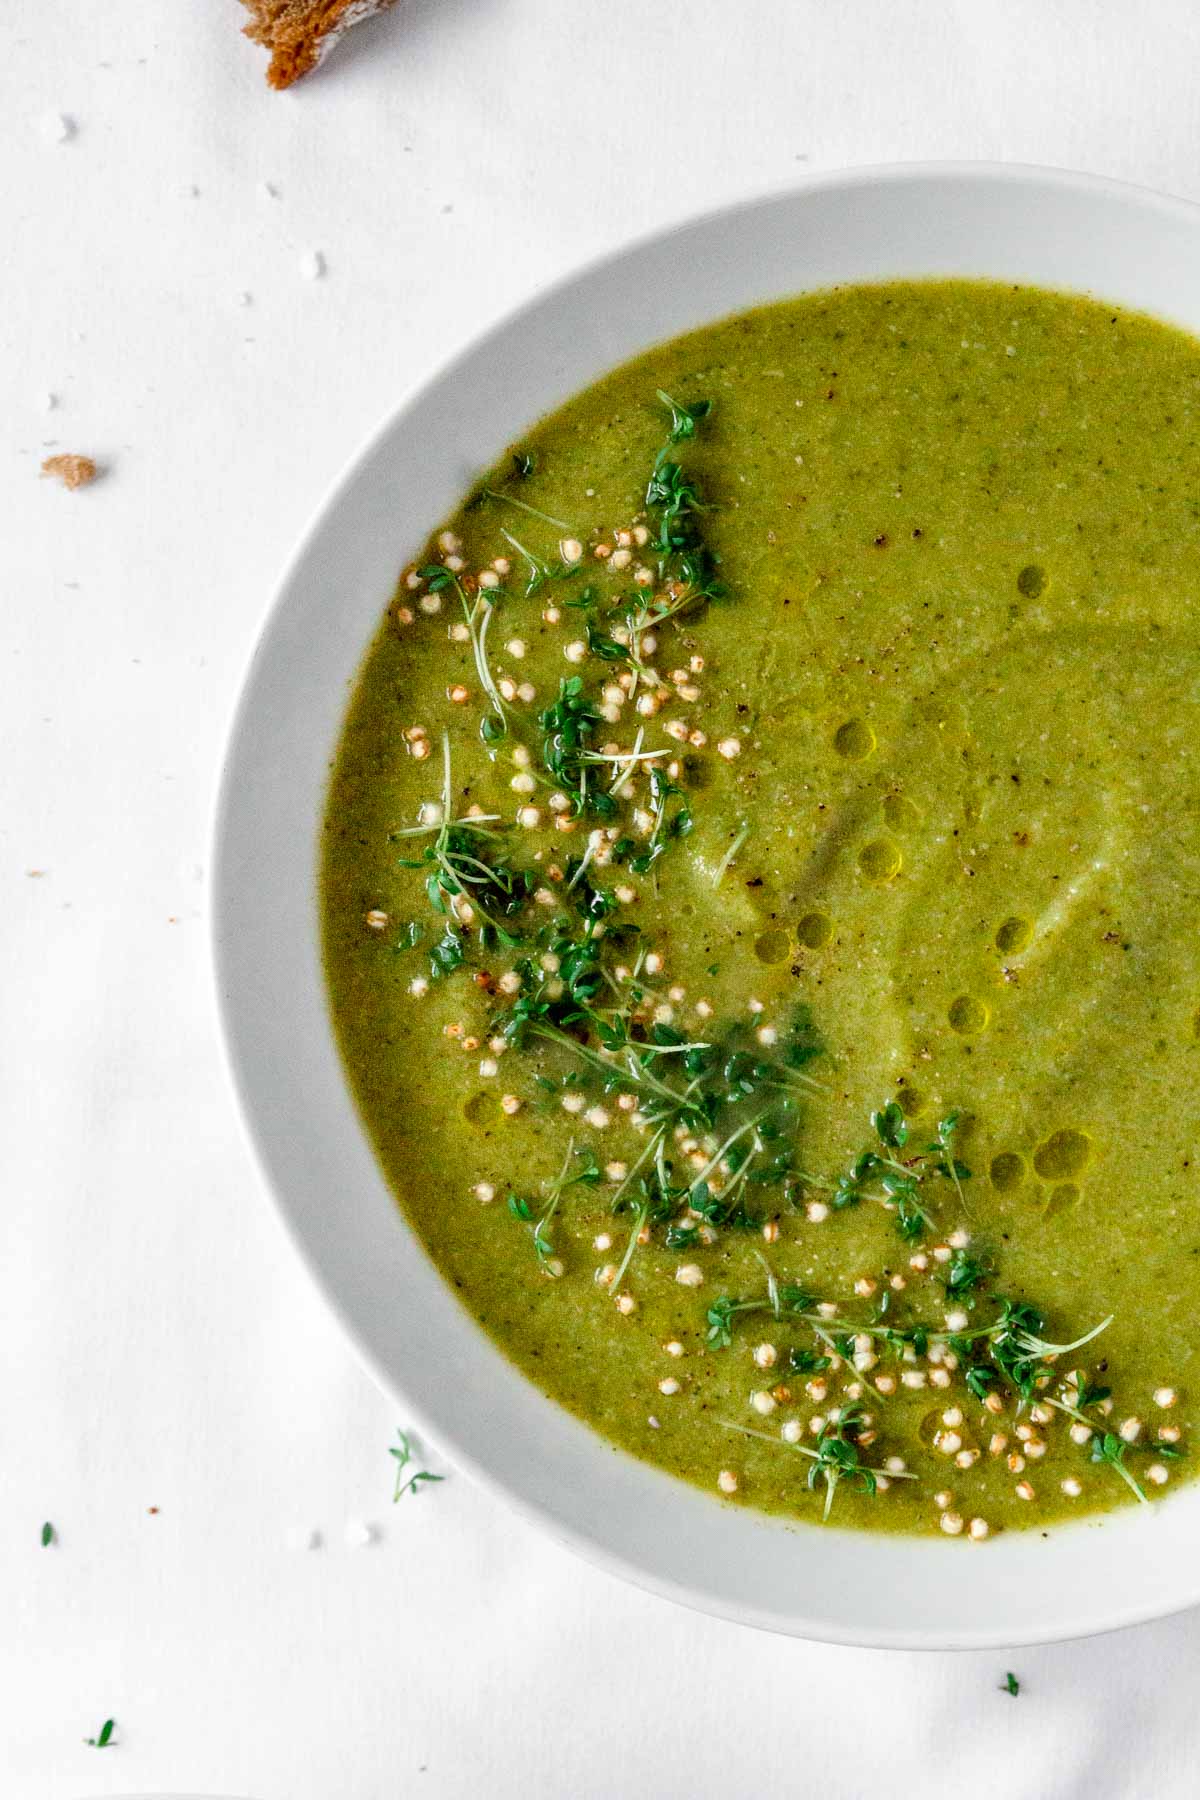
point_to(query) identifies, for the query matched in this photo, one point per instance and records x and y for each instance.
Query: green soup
(760, 896)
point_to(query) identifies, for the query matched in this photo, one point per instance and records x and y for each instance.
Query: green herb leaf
(103, 1737)
(665, 830)
(465, 866)
(674, 503)
(606, 648)
(837, 1458)
(407, 1479)
(447, 954)
(1107, 1447)
(542, 570)
(966, 1273)
(890, 1125)
(684, 419)
(568, 724)
(47, 1534)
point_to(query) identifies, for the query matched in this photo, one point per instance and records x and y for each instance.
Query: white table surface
(159, 1347)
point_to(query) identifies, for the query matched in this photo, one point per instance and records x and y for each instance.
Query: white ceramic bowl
(1015, 224)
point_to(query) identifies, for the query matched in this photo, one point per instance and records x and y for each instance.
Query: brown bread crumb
(72, 471)
(300, 33)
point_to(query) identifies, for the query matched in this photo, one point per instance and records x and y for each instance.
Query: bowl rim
(441, 1431)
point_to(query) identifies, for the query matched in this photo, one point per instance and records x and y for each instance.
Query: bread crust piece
(72, 470)
(300, 33)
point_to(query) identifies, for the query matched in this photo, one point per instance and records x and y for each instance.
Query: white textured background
(158, 1346)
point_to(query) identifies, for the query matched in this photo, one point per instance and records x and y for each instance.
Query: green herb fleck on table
(103, 1737)
(1011, 1684)
(47, 1535)
(408, 1479)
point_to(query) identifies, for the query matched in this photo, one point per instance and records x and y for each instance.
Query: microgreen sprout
(542, 569)
(894, 1176)
(512, 500)
(568, 724)
(836, 1459)
(1009, 1351)
(585, 1173)
(408, 1479)
(674, 504)
(741, 1104)
(780, 1301)
(463, 869)
(739, 838)
(664, 830)
(1085, 1402)
(965, 1274)
(478, 614)
(948, 1164)
(1023, 1357)
(625, 763)
(1108, 1448)
(684, 419)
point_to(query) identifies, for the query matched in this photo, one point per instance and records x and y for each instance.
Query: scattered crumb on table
(72, 470)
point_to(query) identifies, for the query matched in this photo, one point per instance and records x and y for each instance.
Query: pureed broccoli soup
(760, 896)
